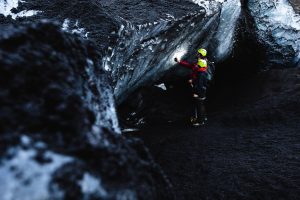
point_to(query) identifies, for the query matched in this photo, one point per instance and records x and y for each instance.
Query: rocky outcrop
(137, 51)
(59, 130)
(278, 29)
(144, 53)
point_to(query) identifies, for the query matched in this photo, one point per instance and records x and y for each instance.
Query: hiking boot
(193, 120)
(197, 124)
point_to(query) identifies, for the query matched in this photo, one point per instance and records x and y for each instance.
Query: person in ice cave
(199, 82)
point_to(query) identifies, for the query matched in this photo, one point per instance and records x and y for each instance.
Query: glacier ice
(278, 29)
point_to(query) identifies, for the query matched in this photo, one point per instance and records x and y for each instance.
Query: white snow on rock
(23, 178)
(208, 5)
(91, 186)
(128, 130)
(278, 28)
(74, 28)
(65, 25)
(106, 114)
(162, 86)
(7, 5)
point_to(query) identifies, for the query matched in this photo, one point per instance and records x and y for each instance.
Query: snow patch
(7, 5)
(208, 5)
(25, 140)
(162, 86)
(91, 186)
(128, 130)
(65, 25)
(74, 28)
(23, 178)
(106, 114)
(283, 13)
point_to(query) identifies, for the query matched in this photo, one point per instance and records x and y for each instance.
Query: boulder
(59, 132)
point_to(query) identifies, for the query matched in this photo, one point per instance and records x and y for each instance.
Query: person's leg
(199, 104)
(199, 96)
(201, 110)
(194, 111)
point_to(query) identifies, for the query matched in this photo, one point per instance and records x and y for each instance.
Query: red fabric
(194, 67)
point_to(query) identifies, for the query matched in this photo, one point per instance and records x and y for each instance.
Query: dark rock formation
(27, 61)
(58, 133)
(296, 5)
(139, 39)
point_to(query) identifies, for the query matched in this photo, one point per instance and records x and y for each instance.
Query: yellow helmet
(202, 63)
(203, 52)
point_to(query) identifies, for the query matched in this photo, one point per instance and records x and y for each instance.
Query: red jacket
(194, 67)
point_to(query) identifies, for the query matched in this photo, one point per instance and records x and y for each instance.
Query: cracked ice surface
(278, 28)
(208, 5)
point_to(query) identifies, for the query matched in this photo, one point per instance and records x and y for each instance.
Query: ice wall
(145, 52)
(139, 51)
(278, 29)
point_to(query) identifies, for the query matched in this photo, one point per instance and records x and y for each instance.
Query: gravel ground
(220, 162)
(249, 151)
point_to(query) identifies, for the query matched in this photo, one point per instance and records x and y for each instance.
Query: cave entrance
(235, 83)
(171, 102)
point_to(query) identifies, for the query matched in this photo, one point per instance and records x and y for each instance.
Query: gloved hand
(176, 60)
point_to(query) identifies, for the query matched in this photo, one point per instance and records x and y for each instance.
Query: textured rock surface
(58, 133)
(40, 63)
(278, 29)
(296, 5)
(140, 50)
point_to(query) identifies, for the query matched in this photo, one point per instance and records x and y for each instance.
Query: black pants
(199, 112)
(200, 84)
(199, 96)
